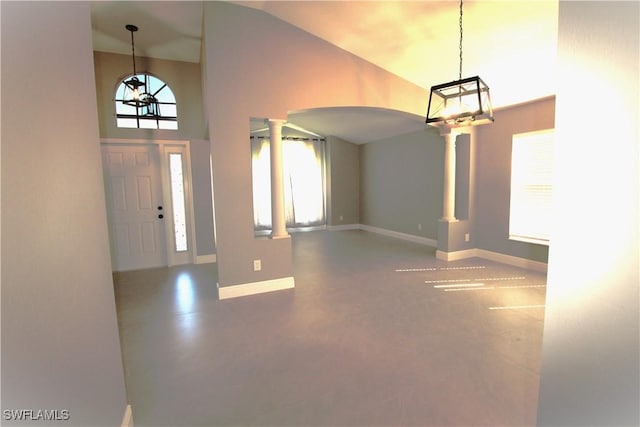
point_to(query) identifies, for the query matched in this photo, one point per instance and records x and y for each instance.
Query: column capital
(275, 122)
(454, 132)
(444, 130)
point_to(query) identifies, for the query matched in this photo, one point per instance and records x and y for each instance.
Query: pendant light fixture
(462, 102)
(137, 93)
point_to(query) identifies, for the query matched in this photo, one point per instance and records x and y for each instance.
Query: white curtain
(303, 173)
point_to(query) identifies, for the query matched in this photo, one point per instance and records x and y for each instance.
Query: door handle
(160, 216)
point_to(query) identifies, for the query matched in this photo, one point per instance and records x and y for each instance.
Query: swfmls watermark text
(36, 415)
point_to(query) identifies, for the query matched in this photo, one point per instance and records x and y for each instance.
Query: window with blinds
(531, 187)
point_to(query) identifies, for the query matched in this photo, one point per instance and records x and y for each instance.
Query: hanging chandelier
(462, 102)
(137, 93)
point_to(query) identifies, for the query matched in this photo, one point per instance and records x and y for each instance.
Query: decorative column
(278, 222)
(449, 195)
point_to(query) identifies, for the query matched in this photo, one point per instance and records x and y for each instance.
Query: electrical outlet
(257, 265)
(419, 227)
(466, 237)
(341, 217)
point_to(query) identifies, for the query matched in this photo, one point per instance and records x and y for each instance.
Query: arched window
(158, 113)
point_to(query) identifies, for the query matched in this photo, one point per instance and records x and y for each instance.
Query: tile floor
(356, 343)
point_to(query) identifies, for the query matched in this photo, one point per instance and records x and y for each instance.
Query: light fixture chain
(446, 109)
(133, 53)
(460, 72)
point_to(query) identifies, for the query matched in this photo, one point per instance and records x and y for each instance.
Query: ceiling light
(136, 90)
(462, 102)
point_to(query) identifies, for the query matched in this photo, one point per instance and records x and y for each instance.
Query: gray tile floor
(356, 343)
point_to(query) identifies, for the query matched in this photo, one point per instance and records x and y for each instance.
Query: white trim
(264, 286)
(512, 260)
(457, 255)
(535, 241)
(403, 236)
(492, 256)
(127, 419)
(206, 259)
(344, 227)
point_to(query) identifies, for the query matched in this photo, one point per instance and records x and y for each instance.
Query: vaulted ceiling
(511, 44)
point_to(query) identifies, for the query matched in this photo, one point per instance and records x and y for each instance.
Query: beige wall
(402, 182)
(248, 58)
(60, 344)
(590, 372)
(343, 182)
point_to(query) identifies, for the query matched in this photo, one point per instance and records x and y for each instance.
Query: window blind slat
(531, 186)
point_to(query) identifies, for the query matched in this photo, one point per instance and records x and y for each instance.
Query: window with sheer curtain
(531, 187)
(303, 173)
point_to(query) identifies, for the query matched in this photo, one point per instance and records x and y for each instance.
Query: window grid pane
(125, 114)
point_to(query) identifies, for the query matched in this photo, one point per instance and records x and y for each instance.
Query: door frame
(173, 258)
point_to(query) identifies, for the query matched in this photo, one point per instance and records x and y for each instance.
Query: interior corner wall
(402, 183)
(60, 343)
(590, 374)
(343, 182)
(202, 196)
(493, 177)
(259, 66)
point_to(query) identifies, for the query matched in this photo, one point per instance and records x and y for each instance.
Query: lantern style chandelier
(137, 93)
(462, 102)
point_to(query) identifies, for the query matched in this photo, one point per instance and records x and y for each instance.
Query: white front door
(135, 206)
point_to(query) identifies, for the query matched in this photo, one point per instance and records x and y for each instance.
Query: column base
(245, 289)
(448, 219)
(454, 235)
(283, 236)
(457, 255)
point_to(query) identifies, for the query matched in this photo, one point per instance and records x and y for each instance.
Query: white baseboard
(512, 260)
(493, 256)
(127, 419)
(235, 291)
(206, 259)
(344, 227)
(457, 255)
(403, 236)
